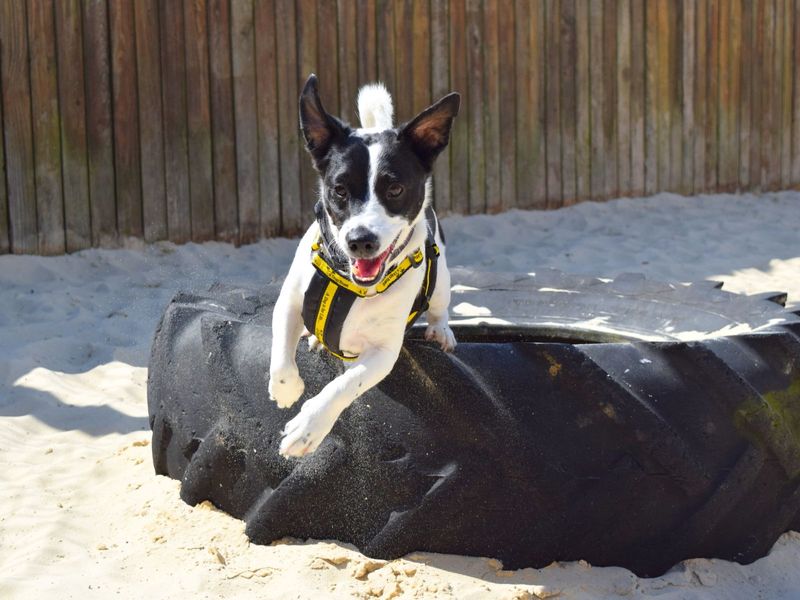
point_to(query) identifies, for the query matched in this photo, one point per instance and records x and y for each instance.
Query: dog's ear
(429, 131)
(320, 129)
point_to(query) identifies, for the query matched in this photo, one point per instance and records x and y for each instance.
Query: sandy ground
(83, 516)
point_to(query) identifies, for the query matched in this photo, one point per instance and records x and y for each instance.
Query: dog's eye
(340, 191)
(394, 190)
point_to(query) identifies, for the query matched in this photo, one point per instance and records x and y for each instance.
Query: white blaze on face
(373, 215)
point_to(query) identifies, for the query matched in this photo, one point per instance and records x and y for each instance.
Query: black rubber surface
(630, 453)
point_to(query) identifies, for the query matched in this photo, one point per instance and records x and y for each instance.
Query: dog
(370, 264)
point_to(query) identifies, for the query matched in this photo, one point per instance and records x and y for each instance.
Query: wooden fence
(177, 119)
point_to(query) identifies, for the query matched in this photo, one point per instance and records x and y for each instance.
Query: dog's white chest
(374, 320)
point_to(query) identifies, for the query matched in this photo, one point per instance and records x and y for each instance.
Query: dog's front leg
(304, 433)
(438, 330)
(285, 384)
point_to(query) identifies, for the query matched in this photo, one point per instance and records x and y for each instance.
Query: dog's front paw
(285, 386)
(313, 343)
(303, 434)
(442, 334)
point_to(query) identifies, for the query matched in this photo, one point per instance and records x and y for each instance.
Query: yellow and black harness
(330, 295)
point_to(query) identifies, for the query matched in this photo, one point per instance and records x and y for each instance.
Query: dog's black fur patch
(347, 165)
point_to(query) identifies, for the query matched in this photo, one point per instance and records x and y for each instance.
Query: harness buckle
(417, 258)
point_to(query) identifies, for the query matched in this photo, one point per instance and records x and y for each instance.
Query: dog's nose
(362, 242)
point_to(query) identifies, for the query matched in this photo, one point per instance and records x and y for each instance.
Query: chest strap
(330, 295)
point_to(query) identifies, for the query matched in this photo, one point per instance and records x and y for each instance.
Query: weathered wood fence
(177, 119)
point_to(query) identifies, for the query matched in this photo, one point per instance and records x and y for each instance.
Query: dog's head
(373, 181)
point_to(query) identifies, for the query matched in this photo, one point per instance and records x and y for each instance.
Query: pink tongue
(367, 268)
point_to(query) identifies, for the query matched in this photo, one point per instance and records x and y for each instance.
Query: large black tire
(537, 440)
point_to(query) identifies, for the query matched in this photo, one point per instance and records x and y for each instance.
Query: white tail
(375, 109)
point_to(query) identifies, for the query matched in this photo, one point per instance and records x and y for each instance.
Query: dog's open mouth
(367, 271)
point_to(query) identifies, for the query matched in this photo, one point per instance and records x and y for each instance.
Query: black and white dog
(363, 269)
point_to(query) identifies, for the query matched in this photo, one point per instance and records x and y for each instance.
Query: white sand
(83, 516)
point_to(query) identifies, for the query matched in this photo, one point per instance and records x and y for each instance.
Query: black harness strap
(423, 300)
(335, 301)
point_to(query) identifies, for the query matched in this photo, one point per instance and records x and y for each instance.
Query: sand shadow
(94, 420)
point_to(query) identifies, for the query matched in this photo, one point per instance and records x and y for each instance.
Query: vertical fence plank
(491, 90)
(99, 122)
(307, 63)
(385, 43)
(440, 85)
(637, 146)
(530, 73)
(244, 110)
(403, 60)
(597, 87)
(475, 83)
(754, 75)
(787, 69)
(538, 107)
(700, 96)
(623, 130)
(525, 92)
(421, 17)
(46, 135)
(291, 215)
(712, 96)
(569, 106)
(151, 123)
(796, 103)
(675, 97)
(757, 114)
(421, 56)
(733, 142)
(348, 60)
(552, 123)
(176, 153)
(226, 195)
(609, 115)
(771, 150)
(774, 110)
(583, 138)
(327, 56)
(729, 66)
(687, 85)
(69, 39)
(126, 119)
(17, 131)
(735, 31)
(769, 139)
(459, 142)
(268, 138)
(663, 94)
(745, 113)
(775, 98)
(651, 98)
(783, 25)
(5, 241)
(198, 120)
(366, 47)
(508, 97)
